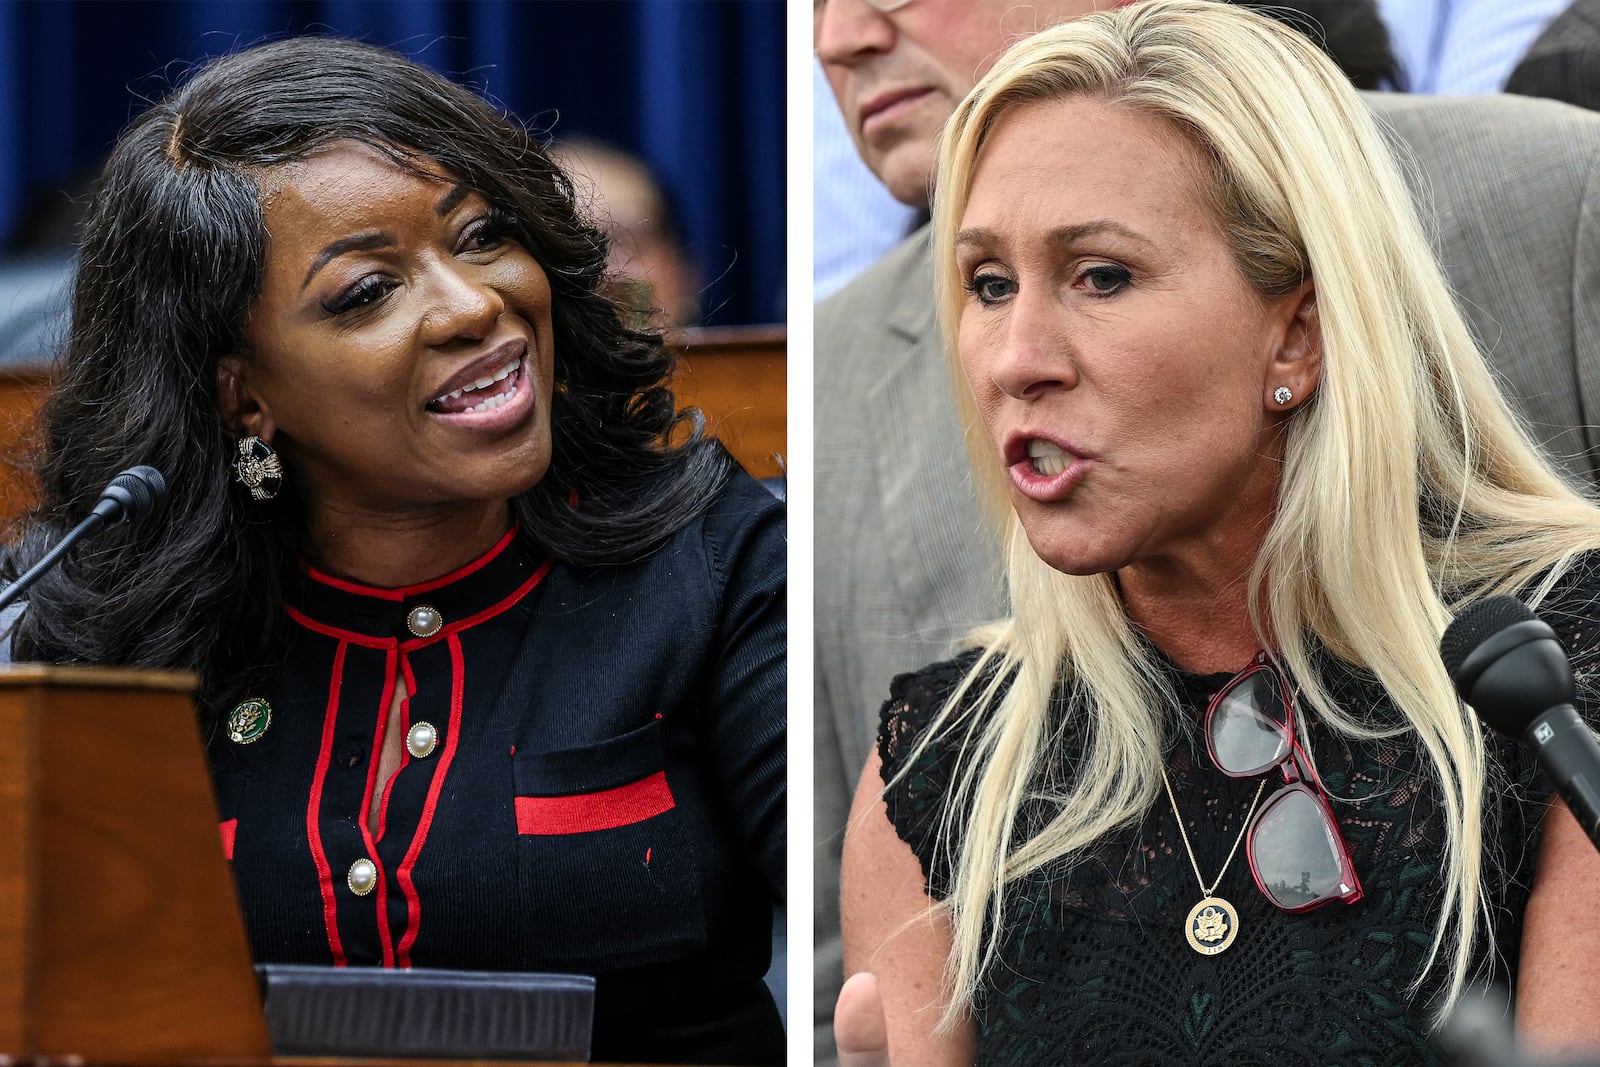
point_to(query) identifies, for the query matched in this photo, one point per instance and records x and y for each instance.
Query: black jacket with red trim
(604, 792)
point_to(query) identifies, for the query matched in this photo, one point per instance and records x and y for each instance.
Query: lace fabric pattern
(1094, 966)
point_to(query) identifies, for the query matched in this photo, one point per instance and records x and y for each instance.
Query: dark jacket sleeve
(744, 730)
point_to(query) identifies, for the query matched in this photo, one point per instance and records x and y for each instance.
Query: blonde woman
(1208, 796)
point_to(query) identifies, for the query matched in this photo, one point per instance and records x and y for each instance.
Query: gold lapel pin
(249, 721)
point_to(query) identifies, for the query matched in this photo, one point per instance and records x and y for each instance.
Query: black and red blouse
(592, 780)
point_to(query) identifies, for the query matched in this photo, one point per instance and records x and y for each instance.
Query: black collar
(465, 597)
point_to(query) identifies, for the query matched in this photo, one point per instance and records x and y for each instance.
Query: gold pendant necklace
(1213, 923)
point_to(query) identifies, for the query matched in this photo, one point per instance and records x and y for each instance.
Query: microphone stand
(130, 495)
(51, 558)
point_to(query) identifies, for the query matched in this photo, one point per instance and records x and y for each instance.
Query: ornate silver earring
(258, 468)
(1282, 394)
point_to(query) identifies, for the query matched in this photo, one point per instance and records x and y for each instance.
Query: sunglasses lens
(1295, 851)
(1248, 735)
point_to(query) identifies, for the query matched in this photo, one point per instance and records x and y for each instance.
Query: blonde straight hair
(1408, 489)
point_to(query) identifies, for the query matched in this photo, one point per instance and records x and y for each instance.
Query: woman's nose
(1032, 356)
(463, 304)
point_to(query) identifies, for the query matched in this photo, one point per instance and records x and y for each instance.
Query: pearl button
(421, 740)
(424, 621)
(363, 877)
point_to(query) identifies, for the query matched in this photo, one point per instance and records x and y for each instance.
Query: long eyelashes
(1098, 282)
(488, 230)
(1115, 279)
(484, 233)
(367, 290)
(987, 288)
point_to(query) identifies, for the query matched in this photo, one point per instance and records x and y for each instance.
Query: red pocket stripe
(229, 830)
(586, 812)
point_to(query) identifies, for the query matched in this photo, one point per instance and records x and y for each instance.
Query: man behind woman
(1219, 401)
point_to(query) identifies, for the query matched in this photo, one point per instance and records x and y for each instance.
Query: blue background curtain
(693, 87)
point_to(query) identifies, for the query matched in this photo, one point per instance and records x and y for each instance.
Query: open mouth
(1047, 458)
(485, 394)
(1042, 469)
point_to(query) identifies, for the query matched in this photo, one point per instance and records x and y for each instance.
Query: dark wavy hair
(170, 268)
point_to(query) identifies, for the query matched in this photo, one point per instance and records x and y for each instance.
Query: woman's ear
(1297, 366)
(242, 411)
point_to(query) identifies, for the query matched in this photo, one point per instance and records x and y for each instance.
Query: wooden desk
(22, 391)
(738, 376)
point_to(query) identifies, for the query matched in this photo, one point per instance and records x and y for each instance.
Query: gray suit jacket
(1564, 62)
(902, 568)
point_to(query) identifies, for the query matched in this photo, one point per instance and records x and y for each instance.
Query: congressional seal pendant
(1211, 926)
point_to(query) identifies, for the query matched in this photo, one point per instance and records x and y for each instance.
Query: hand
(859, 1028)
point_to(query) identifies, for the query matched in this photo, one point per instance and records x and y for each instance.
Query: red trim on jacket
(385, 938)
(585, 812)
(452, 732)
(414, 590)
(229, 830)
(346, 636)
(411, 644)
(330, 904)
(453, 628)
(505, 605)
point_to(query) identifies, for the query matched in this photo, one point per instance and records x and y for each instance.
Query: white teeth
(1050, 466)
(498, 376)
(1049, 458)
(1038, 448)
(491, 403)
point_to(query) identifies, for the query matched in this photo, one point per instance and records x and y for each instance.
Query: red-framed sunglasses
(1296, 852)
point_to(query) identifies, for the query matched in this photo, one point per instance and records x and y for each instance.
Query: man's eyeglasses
(1297, 855)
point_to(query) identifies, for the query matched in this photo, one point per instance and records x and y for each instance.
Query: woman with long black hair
(490, 638)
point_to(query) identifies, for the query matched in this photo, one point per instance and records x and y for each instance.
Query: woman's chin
(506, 474)
(1076, 557)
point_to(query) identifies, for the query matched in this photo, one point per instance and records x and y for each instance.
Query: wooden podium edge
(128, 942)
(19, 873)
(87, 677)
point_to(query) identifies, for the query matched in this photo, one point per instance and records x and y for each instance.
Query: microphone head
(1481, 620)
(132, 494)
(151, 488)
(1506, 663)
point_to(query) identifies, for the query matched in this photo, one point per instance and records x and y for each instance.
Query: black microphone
(1510, 666)
(131, 495)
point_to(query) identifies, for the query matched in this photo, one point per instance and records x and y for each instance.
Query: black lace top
(1094, 966)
